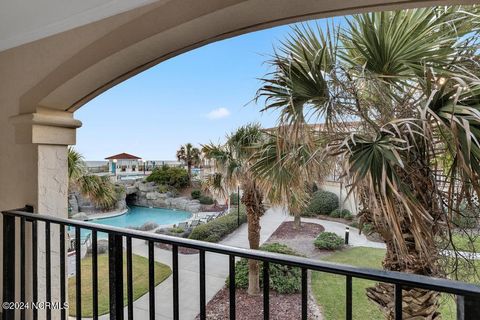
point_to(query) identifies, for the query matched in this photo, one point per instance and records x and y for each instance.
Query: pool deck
(109, 214)
(216, 272)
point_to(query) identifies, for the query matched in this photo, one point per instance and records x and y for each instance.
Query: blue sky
(196, 97)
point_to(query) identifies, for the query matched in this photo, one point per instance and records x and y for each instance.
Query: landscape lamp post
(144, 164)
(238, 204)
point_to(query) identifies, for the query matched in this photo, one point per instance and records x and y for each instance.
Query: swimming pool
(137, 216)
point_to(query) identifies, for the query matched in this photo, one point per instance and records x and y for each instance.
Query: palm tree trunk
(252, 199)
(297, 223)
(417, 303)
(189, 171)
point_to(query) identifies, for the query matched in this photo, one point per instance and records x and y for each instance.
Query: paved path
(355, 239)
(216, 272)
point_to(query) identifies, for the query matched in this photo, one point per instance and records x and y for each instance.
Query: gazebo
(123, 162)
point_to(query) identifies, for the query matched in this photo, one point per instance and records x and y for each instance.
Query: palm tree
(216, 185)
(190, 156)
(98, 189)
(233, 161)
(282, 167)
(410, 81)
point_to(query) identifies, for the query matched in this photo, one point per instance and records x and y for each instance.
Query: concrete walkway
(216, 272)
(355, 239)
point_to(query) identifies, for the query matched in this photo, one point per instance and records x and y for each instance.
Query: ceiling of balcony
(23, 21)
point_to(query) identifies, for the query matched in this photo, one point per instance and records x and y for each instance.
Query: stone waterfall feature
(146, 194)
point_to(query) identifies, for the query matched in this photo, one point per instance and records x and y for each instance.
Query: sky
(196, 97)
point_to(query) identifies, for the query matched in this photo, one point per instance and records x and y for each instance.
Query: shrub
(196, 194)
(348, 216)
(170, 176)
(206, 200)
(354, 224)
(368, 228)
(176, 230)
(163, 188)
(341, 213)
(467, 218)
(328, 241)
(337, 213)
(218, 228)
(283, 279)
(322, 202)
(234, 198)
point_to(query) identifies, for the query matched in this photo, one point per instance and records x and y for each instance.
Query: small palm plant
(98, 189)
(396, 90)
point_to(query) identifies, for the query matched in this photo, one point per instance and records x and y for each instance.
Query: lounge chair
(183, 225)
(195, 223)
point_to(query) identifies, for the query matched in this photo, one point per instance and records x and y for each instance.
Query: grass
(329, 290)
(140, 283)
(464, 243)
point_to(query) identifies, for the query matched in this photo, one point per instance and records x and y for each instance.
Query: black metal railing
(468, 295)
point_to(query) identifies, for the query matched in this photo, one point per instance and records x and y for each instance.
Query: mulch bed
(282, 306)
(287, 231)
(181, 250)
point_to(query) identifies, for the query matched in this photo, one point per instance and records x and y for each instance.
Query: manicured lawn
(329, 290)
(464, 243)
(140, 282)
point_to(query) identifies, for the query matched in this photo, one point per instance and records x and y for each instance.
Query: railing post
(115, 271)
(468, 307)
(8, 265)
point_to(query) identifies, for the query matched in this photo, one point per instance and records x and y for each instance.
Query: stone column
(46, 134)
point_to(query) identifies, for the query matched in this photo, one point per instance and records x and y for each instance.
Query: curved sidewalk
(189, 276)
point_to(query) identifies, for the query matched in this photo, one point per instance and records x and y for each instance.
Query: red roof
(123, 156)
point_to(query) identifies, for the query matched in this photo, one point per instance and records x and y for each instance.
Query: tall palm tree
(190, 156)
(233, 161)
(410, 81)
(98, 189)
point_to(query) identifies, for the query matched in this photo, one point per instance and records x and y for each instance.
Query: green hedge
(341, 213)
(218, 228)
(170, 176)
(196, 194)
(322, 202)
(283, 279)
(206, 200)
(329, 241)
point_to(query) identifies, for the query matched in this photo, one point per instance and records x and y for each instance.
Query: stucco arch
(114, 49)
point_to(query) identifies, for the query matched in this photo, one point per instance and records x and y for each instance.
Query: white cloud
(218, 113)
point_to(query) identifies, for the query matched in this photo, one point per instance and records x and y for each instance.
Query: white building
(124, 163)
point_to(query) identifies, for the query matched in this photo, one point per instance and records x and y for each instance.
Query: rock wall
(147, 195)
(77, 203)
(137, 193)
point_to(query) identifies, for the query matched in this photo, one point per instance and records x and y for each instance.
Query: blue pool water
(137, 216)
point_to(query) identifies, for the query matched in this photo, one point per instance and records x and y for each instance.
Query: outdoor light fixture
(347, 234)
(238, 204)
